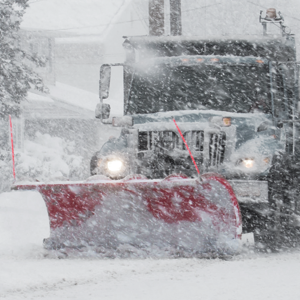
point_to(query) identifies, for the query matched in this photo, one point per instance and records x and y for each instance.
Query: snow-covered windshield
(223, 87)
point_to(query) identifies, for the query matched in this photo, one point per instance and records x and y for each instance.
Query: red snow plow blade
(175, 213)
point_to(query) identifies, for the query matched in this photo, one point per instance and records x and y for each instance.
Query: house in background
(42, 45)
(86, 34)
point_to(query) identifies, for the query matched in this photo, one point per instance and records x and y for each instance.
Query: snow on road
(26, 273)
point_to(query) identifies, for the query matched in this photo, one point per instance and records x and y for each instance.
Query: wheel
(281, 228)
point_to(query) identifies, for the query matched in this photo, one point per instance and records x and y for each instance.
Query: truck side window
(261, 102)
(278, 92)
(290, 87)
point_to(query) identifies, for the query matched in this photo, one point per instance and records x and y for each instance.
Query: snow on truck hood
(179, 113)
(199, 116)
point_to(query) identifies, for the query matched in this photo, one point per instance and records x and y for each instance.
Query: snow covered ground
(27, 273)
(48, 157)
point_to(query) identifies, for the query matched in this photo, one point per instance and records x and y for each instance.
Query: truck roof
(163, 38)
(274, 48)
(207, 60)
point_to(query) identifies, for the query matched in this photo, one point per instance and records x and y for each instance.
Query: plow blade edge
(174, 213)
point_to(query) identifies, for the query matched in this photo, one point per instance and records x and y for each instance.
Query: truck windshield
(223, 87)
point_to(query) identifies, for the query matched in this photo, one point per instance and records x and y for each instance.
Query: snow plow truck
(236, 103)
(208, 148)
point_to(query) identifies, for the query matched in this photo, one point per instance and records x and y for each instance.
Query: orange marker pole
(12, 147)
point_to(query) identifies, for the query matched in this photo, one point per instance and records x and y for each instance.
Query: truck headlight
(115, 165)
(248, 163)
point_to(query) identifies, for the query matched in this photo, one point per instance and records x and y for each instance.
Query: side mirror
(104, 83)
(102, 111)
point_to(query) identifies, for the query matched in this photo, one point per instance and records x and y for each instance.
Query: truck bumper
(250, 191)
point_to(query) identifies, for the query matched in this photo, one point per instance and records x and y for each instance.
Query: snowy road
(25, 273)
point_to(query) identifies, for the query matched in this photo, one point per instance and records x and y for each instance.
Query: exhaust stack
(175, 17)
(156, 17)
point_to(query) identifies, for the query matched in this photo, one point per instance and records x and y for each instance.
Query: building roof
(62, 102)
(66, 102)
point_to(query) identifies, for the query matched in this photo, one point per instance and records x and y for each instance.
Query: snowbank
(47, 158)
(23, 224)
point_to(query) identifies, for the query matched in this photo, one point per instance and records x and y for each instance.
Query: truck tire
(281, 230)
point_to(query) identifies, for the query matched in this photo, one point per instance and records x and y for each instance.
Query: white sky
(75, 16)
(227, 17)
(212, 16)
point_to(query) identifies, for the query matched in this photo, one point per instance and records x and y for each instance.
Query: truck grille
(148, 140)
(169, 140)
(195, 140)
(216, 148)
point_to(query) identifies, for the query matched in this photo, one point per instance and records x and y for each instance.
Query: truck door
(287, 84)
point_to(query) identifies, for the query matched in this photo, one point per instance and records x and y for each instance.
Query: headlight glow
(115, 165)
(248, 163)
(254, 164)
